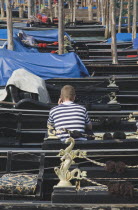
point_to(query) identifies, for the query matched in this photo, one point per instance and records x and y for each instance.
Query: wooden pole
(39, 5)
(29, 8)
(113, 33)
(49, 4)
(120, 16)
(71, 12)
(2, 9)
(110, 20)
(74, 11)
(98, 11)
(90, 11)
(81, 3)
(129, 16)
(103, 6)
(9, 24)
(21, 11)
(50, 9)
(35, 7)
(134, 26)
(61, 27)
(107, 19)
(56, 10)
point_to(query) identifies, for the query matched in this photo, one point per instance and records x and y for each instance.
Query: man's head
(67, 93)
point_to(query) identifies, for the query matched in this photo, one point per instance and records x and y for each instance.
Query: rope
(103, 164)
(95, 162)
(98, 184)
(94, 182)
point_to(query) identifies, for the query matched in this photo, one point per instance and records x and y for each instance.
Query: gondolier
(68, 115)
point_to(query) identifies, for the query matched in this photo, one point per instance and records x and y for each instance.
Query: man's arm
(89, 126)
(50, 120)
(88, 122)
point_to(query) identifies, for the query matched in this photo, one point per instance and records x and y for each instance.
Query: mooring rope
(104, 164)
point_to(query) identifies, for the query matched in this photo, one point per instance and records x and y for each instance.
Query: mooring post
(134, 26)
(2, 9)
(21, 11)
(74, 11)
(98, 10)
(103, 12)
(29, 8)
(56, 10)
(71, 11)
(61, 27)
(120, 16)
(90, 10)
(50, 9)
(35, 7)
(9, 24)
(107, 19)
(113, 34)
(129, 16)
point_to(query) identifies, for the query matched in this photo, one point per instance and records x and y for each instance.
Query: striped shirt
(70, 116)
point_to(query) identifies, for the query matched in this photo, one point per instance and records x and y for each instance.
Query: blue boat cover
(44, 65)
(122, 37)
(19, 47)
(87, 7)
(135, 43)
(46, 35)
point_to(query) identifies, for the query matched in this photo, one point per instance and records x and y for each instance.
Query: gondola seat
(22, 185)
(16, 94)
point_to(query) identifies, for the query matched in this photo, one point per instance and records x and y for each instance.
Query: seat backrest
(22, 158)
(16, 94)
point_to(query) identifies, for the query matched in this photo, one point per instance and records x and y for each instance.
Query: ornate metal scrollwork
(67, 159)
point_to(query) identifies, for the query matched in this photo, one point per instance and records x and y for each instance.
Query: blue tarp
(123, 37)
(47, 35)
(3, 33)
(87, 7)
(19, 47)
(44, 65)
(135, 43)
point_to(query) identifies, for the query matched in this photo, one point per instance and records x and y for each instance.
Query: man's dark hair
(119, 135)
(67, 92)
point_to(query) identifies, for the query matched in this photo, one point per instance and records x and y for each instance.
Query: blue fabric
(87, 7)
(47, 35)
(122, 37)
(3, 33)
(135, 43)
(44, 65)
(19, 47)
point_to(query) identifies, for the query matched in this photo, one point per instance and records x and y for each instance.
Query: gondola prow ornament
(63, 173)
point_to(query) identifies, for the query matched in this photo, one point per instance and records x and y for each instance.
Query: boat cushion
(21, 184)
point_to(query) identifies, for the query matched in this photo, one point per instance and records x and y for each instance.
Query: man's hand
(89, 126)
(60, 101)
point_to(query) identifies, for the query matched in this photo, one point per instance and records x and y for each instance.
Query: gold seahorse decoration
(75, 153)
(67, 158)
(65, 175)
